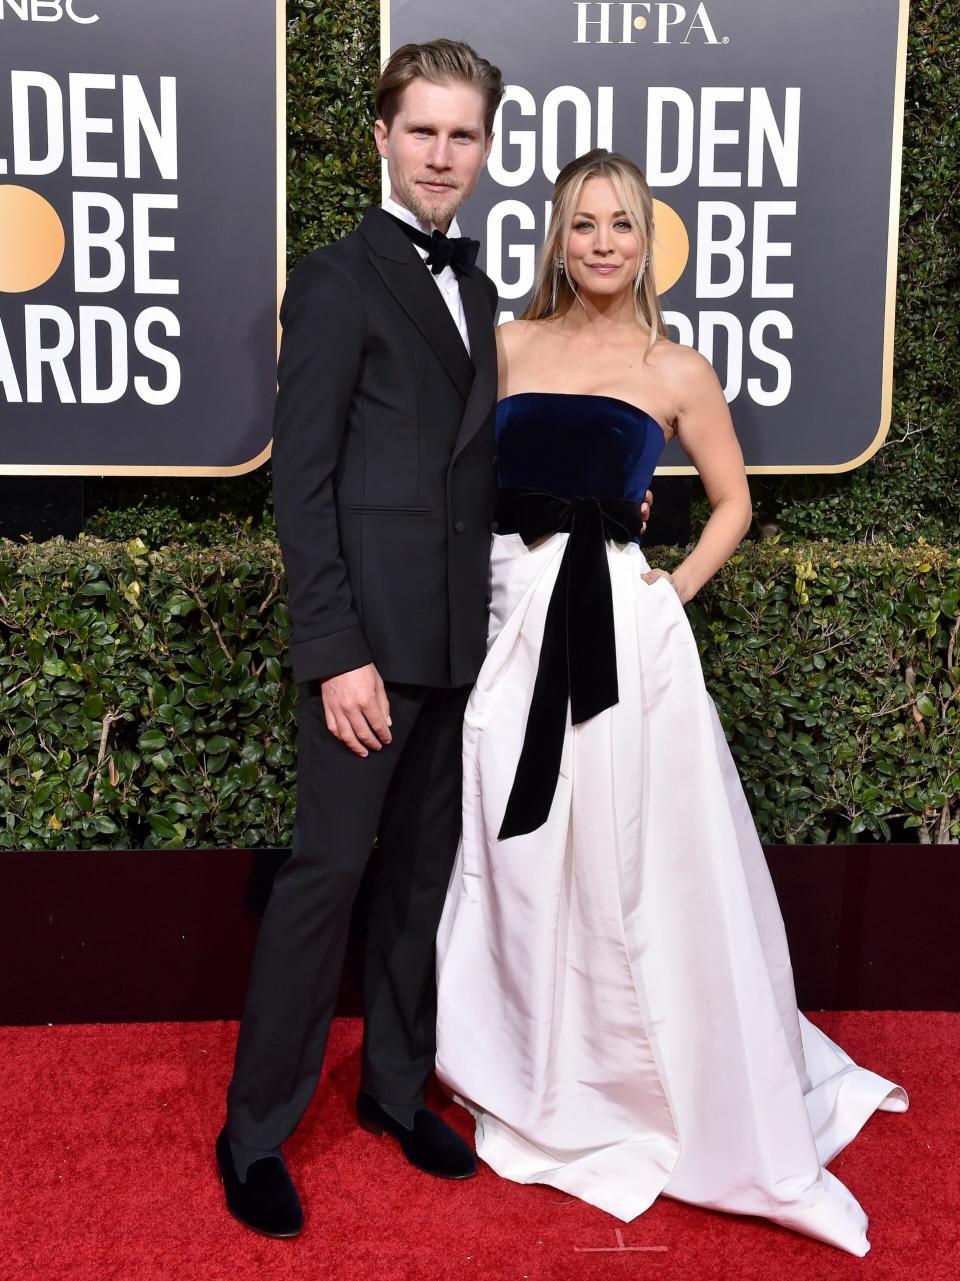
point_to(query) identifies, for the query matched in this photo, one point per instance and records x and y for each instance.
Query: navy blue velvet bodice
(576, 445)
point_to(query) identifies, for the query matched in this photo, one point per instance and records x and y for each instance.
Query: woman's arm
(705, 431)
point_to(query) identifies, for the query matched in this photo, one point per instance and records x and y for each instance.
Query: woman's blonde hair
(554, 293)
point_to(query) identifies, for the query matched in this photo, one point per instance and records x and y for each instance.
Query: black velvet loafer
(267, 1202)
(431, 1145)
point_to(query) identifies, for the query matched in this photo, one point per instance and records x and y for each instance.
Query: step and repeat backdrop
(770, 134)
(141, 209)
(141, 234)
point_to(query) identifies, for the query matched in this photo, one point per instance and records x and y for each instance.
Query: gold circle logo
(640, 22)
(32, 239)
(671, 246)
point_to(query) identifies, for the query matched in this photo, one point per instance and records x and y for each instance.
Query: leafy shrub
(144, 702)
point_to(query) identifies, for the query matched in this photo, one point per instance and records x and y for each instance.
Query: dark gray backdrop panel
(844, 59)
(223, 55)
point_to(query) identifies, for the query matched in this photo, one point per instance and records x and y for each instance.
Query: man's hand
(645, 509)
(356, 709)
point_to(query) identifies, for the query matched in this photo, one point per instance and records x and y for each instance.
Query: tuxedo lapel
(408, 280)
(483, 347)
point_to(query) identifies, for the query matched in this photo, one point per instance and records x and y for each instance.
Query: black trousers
(408, 796)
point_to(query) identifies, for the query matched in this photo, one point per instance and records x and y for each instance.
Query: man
(384, 492)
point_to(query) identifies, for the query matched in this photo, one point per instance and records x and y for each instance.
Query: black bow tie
(458, 252)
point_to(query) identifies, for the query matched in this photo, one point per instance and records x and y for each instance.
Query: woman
(616, 1001)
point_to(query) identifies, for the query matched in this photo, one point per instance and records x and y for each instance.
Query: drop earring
(558, 271)
(637, 285)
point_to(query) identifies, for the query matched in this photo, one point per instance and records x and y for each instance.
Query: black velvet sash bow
(578, 657)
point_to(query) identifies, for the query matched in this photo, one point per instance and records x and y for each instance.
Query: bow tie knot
(458, 252)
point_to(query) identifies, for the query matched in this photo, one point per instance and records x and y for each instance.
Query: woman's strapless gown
(616, 1002)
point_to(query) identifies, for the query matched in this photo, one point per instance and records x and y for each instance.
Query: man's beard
(434, 210)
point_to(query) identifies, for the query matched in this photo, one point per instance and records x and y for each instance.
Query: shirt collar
(401, 211)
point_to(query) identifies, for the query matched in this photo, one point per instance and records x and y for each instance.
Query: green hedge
(143, 700)
(909, 489)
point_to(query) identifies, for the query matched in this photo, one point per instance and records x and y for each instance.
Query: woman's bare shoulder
(515, 338)
(512, 332)
(679, 360)
(690, 376)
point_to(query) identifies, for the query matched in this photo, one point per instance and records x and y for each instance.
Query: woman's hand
(645, 510)
(652, 575)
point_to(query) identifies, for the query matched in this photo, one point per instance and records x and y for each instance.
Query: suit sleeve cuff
(325, 656)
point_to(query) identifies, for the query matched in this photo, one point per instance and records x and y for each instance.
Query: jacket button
(459, 526)
(494, 526)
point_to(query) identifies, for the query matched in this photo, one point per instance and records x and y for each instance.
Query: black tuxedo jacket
(383, 462)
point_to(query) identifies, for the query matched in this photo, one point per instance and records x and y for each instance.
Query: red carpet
(108, 1173)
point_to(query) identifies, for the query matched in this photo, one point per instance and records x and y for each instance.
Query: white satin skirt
(616, 1003)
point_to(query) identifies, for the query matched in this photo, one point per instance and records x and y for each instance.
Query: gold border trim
(385, 49)
(281, 74)
(238, 469)
(385, 52)
(94, 469)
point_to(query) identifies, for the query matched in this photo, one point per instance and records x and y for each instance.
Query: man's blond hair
(440, 62)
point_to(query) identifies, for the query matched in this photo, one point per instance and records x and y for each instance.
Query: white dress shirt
(446, 280)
